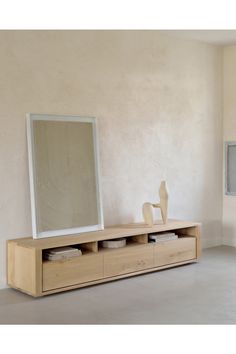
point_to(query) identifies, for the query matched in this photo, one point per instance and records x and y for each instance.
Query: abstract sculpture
(163, 205)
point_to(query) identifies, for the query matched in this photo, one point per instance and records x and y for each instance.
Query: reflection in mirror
(64, 175)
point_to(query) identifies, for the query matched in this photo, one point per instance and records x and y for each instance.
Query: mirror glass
(64, 175)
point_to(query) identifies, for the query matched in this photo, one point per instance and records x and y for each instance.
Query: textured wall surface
(158, 104)
(229, 116)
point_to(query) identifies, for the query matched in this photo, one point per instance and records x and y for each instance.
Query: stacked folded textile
(59, 253)
(161, 237)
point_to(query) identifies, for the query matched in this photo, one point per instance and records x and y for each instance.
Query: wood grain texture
(38, 271)
(11, 262)
(28, 273)
(140, 238)
(174, 251)
(122, 276)
(23, 273)
(77, 270)
(90, 246)
(106, 234)
(194, 231)
(198, 240)
(127, 260)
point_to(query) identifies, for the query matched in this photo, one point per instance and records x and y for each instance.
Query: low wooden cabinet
(27, 270)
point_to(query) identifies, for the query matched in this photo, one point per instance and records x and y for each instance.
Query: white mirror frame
(30, 139)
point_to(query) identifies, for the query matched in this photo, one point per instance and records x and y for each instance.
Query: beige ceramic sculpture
(163, 205)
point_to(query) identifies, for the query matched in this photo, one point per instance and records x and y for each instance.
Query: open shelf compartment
(86, 249)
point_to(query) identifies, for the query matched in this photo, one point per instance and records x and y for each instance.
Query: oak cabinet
(28, 272)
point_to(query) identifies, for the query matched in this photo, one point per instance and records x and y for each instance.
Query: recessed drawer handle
(141, 263)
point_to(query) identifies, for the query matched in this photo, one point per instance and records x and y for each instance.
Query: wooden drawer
(127, 260)
(77, 270)
(175, 251)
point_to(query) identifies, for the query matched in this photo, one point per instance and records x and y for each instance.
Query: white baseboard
(229, 242)
(208, 242)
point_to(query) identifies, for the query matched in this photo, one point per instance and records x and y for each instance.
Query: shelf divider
(89, 246)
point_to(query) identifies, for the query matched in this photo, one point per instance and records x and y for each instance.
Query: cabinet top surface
(108, 233)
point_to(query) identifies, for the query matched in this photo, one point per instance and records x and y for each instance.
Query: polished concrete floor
(203, 293)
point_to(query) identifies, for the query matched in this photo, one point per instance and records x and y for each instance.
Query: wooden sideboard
(28, 272)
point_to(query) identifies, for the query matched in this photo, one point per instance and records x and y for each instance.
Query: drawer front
(70, 272)
(127, 260)
(180, 250)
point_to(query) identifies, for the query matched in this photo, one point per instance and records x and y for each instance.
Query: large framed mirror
(64, 175)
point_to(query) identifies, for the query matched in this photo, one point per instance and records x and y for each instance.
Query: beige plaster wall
(158, 104)
(229, 118)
